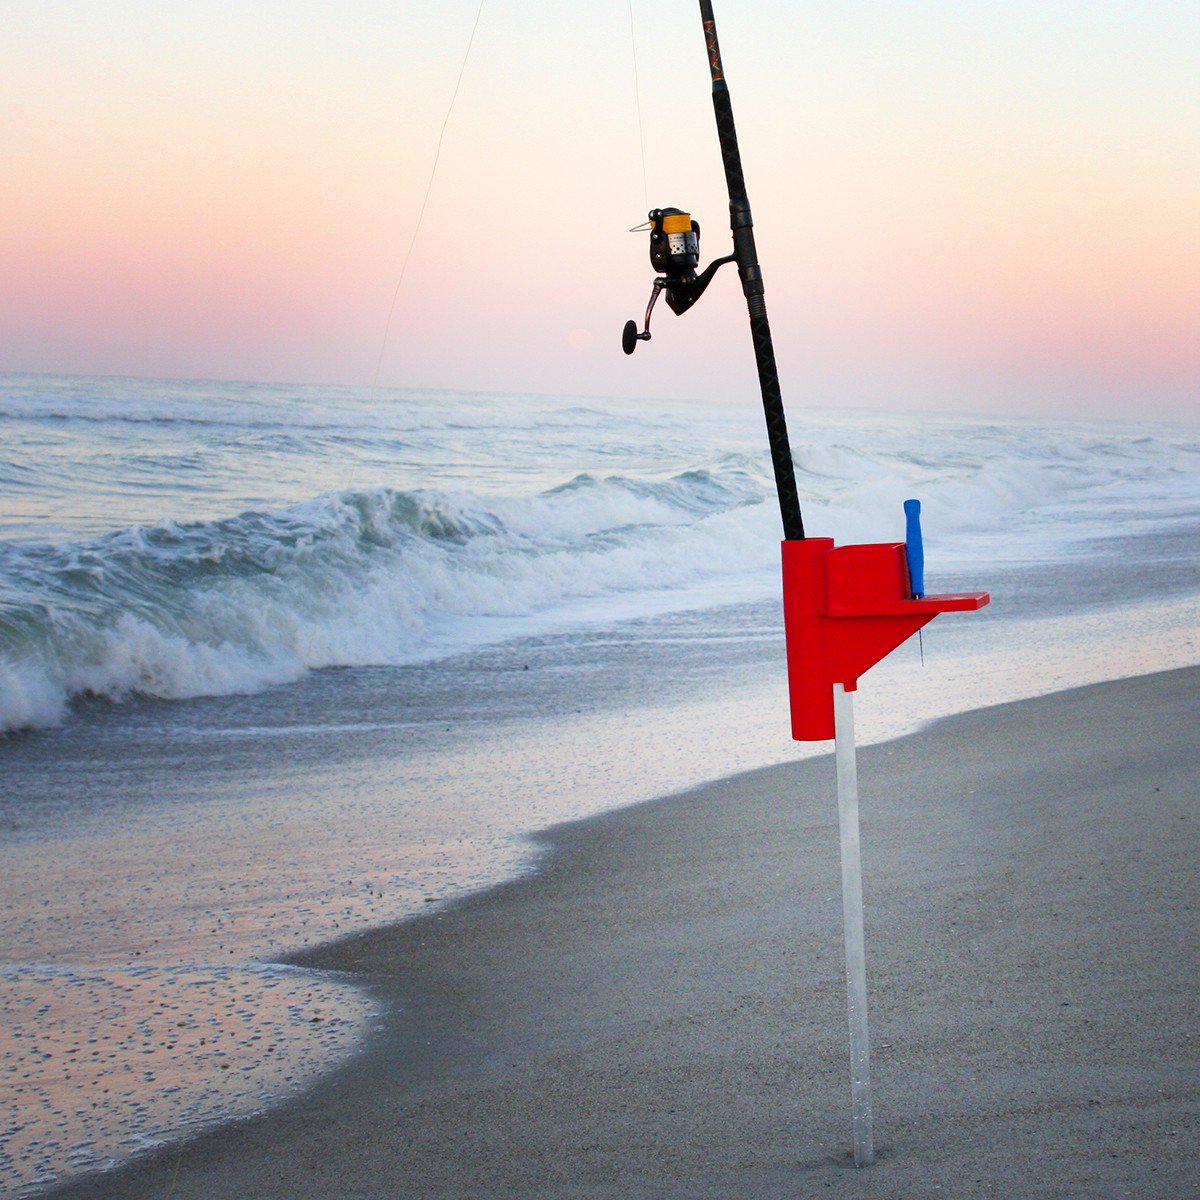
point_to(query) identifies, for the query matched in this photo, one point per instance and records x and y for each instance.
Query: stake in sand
(845, 607)
(852, 928)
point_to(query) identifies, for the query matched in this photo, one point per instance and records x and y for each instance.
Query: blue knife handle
(913, 548)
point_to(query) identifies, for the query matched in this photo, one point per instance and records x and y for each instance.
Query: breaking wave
(375, 576)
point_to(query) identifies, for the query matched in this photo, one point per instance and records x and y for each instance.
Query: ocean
(281, 663)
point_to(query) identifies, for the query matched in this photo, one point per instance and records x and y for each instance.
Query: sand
(660, 1010)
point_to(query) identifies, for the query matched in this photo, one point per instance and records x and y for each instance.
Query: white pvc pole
(852, 923)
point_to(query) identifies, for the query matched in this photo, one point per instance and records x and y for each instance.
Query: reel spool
(674, 242)
(674, 254)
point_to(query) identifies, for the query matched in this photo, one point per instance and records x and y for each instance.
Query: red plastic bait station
(844, 609)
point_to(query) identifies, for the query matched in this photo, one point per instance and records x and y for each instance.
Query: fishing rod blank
(675, 255)
(744, 251)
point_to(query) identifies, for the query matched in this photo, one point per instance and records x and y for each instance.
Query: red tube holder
(844, 609)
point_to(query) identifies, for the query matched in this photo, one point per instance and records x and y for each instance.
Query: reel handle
(630, 337)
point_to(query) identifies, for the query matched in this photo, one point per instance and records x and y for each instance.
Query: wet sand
(660, 1010)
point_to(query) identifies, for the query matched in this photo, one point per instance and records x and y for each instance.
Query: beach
(659, 1009)
(281, 665)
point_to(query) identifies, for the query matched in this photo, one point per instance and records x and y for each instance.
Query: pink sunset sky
(959, 205)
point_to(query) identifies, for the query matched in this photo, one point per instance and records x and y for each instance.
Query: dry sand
(660, 1011)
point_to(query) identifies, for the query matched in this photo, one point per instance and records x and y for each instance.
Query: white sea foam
(352, 578)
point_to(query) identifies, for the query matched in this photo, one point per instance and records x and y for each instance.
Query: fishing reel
(674, 254)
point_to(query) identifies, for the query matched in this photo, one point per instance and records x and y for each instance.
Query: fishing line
(425, 200)
(637, 96)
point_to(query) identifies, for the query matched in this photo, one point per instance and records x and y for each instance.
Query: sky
(959, 205)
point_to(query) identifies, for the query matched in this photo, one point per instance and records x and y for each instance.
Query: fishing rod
(844, 607)
(675, 255)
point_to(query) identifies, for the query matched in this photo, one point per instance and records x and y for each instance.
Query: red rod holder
(844, 609)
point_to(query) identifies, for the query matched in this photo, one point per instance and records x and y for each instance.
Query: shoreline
(657, 1007)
